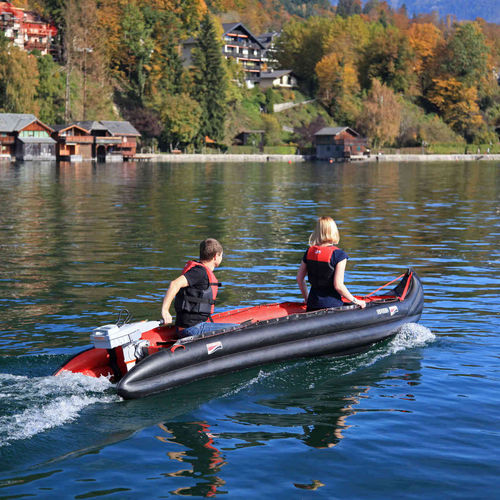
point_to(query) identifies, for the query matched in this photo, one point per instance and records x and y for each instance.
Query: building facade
(237, 43)
(27, 30)
(240, 44)
(24, 137)
(281, 78)
(339, 143)
(73, 143)
(112, 140)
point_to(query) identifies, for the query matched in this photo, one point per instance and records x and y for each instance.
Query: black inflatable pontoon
(145, 358)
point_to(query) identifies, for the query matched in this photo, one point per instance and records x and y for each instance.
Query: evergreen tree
(210, 82)
(50, 91)
(347, 8)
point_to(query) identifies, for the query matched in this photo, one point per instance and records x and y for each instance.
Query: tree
(338, 86)
(138, 46)
(347, 8)
(165, 70)
(210, 82)
(18, 79)
(381, 115)
(424, 39)
(50, 90)
(272, 130)
(458, 106)
(86, 62)
(181, 120)
(305, 133)
(465, 55)
(301, 46)
(388, 57)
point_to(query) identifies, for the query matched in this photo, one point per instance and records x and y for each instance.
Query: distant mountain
(489, 10)
(463, 10)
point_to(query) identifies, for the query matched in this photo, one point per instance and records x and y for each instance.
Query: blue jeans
(207, 327)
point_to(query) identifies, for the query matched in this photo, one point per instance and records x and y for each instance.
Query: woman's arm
(338, 283)
(301, 280)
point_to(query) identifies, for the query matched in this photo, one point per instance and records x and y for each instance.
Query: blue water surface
(415, 417)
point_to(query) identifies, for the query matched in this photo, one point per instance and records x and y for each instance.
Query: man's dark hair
(209, 248)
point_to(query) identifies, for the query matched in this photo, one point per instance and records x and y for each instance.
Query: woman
(324, 265)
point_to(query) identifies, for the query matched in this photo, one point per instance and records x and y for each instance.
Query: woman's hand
(360, 303)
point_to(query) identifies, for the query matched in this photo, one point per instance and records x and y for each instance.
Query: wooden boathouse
(339, 143)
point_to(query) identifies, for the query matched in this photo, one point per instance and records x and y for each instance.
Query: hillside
(397, 80)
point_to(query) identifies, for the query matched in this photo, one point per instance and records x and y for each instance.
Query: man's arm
(173, 289)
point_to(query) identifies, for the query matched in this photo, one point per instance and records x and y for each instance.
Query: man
(195, 291)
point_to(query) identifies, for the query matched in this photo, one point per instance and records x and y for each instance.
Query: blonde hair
(326, 231)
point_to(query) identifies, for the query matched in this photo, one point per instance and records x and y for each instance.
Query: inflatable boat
(145, 357)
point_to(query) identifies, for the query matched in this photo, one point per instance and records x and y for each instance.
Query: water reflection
(204, 458)
(325, 395)
(78, 242)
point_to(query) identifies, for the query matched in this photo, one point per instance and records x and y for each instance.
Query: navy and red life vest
(194, 301)
(319, 268)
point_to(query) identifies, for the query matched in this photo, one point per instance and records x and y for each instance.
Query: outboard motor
(128, 336)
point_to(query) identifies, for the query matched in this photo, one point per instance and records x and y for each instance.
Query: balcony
(108, 140)
(80, 139)
(7, 139)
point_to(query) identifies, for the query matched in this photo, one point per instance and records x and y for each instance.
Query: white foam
(262, 375)
(40, 403)
(409, 336)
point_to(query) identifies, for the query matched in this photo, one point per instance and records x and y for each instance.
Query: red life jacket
(319, 268)
(195, 301)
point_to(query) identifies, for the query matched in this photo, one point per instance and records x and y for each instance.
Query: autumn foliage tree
(18, 79)
(122, 59)
(424, 39)
(86, 63)
(457, 103)
(381, 115)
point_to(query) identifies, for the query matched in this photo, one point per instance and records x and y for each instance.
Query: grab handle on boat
(176, 346)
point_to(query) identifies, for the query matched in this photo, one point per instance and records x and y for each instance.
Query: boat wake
(409, 336)
(32, 405)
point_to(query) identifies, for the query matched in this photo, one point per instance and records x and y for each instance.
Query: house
(240, 44)
(74, 143)
(269, 53)
(339, 143)
(112, 140)
(283, 79)
(128, 135)
(237, 43)
(25, 137)
(250, 138)
(27, 30)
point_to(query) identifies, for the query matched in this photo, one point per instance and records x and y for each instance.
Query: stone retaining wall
(258, 158)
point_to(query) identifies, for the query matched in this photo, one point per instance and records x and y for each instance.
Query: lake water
(417, 417)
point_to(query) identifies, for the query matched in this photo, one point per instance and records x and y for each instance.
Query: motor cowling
(127, 336)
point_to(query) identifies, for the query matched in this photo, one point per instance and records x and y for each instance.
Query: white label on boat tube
(392, 310)
(214, 346)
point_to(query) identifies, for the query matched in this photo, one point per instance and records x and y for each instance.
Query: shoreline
(187, 158)
(269, 158)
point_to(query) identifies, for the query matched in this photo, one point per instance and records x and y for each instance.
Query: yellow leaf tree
(458, 106)
(338, 86)
(424, 39)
